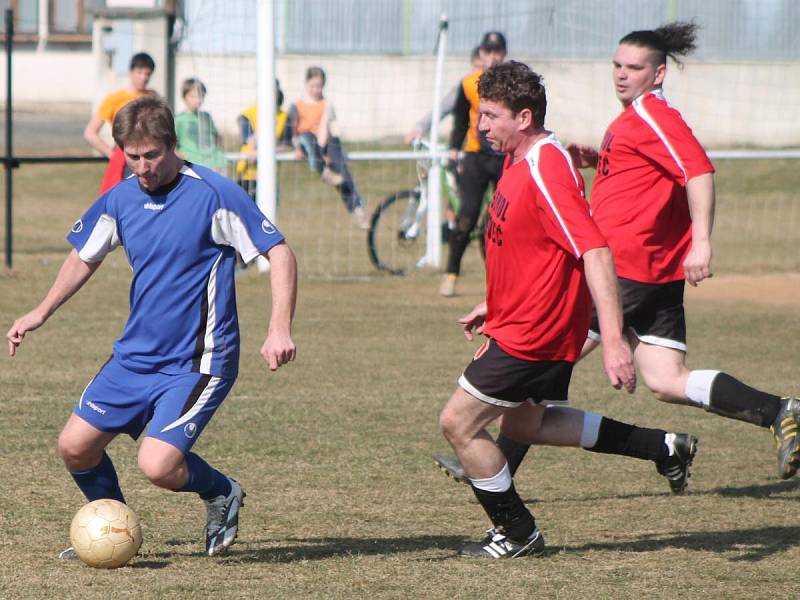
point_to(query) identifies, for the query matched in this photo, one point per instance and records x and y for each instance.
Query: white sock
(698, 387)
(591, 429)
(499, 483)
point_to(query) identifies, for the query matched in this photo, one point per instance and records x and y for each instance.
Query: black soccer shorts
(653, 311)
(496, 377)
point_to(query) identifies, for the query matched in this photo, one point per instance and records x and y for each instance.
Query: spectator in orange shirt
(311, 121)
(141, 68)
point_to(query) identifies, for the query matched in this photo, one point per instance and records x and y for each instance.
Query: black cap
(494, 41)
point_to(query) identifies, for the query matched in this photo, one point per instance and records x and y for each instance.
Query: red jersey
(539, 227)
(639, 197)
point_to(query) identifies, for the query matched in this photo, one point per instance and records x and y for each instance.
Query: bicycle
(397, 228)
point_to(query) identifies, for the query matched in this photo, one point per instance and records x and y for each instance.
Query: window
(72, 17)
(26, 18)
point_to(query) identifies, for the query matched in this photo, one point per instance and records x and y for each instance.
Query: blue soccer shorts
(176, 407)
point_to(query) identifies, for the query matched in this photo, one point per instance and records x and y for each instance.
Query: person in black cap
(480, 166)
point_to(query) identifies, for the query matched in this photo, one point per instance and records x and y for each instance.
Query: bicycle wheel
(396, 238)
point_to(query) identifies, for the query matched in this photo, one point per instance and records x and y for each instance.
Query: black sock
(733, 399)
(513, 451)
(507, 512)
(615, 437)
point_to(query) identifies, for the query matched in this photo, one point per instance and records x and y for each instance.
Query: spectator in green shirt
(198, 138)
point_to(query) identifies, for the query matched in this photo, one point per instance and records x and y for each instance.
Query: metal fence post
(9, 164)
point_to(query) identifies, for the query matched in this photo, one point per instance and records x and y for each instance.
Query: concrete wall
(728, 105)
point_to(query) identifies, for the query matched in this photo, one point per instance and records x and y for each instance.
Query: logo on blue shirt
(267, 227)
(77, 227)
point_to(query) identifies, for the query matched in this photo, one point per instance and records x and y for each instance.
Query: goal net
(738, 91)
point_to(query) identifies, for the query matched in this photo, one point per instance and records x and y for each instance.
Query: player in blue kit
(181, 226)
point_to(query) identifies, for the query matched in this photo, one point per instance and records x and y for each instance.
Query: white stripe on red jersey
(639, 199)
(539, 227)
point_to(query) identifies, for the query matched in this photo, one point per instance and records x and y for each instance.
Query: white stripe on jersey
(533, 163)
(211, 318)
(202, 400)
(572, 170)
(638, 106)
(186, 170)
(227, 229)
(103, 239)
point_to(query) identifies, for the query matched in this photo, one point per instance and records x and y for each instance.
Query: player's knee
(662, 390)
(661, 396)
(454, 429)
(75, 454)
(465, 224)
(158, 471)
(448, 424)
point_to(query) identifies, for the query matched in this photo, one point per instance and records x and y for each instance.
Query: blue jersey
(181, 244)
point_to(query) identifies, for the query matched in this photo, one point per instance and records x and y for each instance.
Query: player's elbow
(282, 254)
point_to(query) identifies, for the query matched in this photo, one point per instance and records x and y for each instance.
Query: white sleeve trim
(533, 164)
(227, 229)
(638, 106)
(102, 240)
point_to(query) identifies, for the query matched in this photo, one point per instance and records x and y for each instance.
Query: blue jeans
(338, 163)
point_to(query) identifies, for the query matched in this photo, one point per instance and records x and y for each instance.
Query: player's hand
(618, 363)
(298, 154)
(452, 156)
(411, 136)
(473, 321)
(697, 265)
(33, 320)
(278, 349)
(583, 156)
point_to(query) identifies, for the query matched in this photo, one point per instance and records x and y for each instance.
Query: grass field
(334, 450)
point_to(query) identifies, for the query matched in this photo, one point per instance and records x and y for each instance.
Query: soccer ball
(106, 534)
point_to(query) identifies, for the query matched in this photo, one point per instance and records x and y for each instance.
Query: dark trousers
(338, 163)
(478, 170)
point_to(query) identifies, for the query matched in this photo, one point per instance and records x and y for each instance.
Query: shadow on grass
(751, 545)
(766, 490)
(299, 549)
(759, 491)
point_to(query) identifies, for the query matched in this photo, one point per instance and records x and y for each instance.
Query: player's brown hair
(671, 40)
(146, 118)
(517, 86)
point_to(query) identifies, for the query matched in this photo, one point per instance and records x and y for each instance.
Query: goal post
(266, 144)
(433, 250)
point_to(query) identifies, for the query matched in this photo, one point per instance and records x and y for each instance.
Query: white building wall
(727, 104)
(378, 97)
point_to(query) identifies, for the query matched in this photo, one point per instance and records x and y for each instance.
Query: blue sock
(100, 481)
(204, 479)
